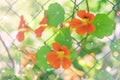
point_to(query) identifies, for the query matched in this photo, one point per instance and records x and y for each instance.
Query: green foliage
(55, 17)
(55, 14)
(102, 75)
(76, 65)
(47, 76)
(104, 25)
(64, 37)
(115, 47)
(7, 74)
(92, 47)
(100, 4)
(36, 69)
(72, 54)
(41, 57)
(103, 1)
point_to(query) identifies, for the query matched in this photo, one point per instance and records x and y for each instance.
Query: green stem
(87, 5)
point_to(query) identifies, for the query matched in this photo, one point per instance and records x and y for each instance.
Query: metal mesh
(11, 10)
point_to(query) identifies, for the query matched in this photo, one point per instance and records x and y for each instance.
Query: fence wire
(11, 10)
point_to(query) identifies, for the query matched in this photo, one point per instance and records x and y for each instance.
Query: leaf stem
(87, 5)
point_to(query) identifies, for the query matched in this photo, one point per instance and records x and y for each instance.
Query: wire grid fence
(11, 11)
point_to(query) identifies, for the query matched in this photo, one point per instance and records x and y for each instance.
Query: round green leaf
(104, 25)
(41, 57)
(55, 15)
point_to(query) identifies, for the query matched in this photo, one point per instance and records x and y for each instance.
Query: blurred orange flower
(31, 55)
(83, 24)
(58, 57)
(42, 27)
(39, 31)
(25, 58)
(22, 24)
(22, 29)
(20, 36)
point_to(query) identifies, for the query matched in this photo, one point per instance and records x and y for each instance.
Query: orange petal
(51, 57)
(56, 63)
(20, 36)
(90, 16)
(56, 46)
(90, 28)
(81, 13)
(81, 30)
(44, 20)
(22, 23)
(66, 50)
(74, 23)
(24, 60)
(32, 56)
(39, 31)
(66, 63)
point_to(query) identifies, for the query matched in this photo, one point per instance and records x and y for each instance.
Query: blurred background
(102, 62)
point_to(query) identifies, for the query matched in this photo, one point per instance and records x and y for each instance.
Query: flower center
(85, 20)
(61, 54)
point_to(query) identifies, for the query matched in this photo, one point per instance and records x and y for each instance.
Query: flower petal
(56, 63)
(20, 36)
(44, 20)
(22, 23)
(24, 59)
(74, 23)
(51, 57)
(81, 13)
(81, 30)
(66, 50)
(90, 28)
(56, 46)
(32, 56)
(39, 31)
(90, 16)
(66, 63)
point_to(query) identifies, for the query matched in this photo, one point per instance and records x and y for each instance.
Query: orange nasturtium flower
(42, 27)
(23, 27)
(83, 24)
(58, 57)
